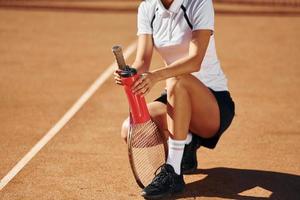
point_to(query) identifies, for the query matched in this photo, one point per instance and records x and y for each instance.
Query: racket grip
(137, 103)
(117, 50)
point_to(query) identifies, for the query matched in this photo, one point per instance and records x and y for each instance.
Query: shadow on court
(228, 183)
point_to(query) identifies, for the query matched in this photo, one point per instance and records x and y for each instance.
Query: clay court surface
(48, 59)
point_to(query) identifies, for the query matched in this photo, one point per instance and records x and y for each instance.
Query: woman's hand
(117, 77)
(143, 85)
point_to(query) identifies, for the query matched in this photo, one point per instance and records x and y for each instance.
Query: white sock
(189, 138)
(175, 154)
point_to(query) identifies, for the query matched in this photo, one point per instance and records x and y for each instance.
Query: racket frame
(130, 154)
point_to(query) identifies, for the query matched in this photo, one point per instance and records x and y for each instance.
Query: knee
(175, 85)
(157, 112)
(124, 129)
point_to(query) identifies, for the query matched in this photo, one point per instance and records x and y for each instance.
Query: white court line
(64, 120)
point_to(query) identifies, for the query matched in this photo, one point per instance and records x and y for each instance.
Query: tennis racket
(147, 148)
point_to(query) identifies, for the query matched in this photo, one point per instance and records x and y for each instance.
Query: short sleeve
(143, 21)
(203, 15)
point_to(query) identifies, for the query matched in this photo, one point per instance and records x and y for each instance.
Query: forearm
(182, 66)
(143, 54)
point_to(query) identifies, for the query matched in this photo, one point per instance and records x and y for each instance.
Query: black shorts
(227, 111)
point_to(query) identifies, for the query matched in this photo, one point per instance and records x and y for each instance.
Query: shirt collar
(174, 8)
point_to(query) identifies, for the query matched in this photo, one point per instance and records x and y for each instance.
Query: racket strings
(148, 153)
(146, 135)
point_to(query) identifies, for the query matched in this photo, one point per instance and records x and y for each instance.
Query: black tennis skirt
(227, 112)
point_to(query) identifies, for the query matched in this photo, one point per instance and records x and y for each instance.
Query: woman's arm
(191, 63)
(143, 56)
(144, 53)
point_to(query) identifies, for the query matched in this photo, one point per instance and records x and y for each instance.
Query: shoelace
(162, 177)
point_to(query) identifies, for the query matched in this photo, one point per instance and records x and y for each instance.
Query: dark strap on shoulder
(186, 17)
(153, 18)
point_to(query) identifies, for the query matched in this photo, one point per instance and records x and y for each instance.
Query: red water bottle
(137, 103)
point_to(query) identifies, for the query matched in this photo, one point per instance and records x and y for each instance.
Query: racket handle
(137, 103)
(117, 50)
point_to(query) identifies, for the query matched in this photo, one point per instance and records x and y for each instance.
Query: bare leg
(196, 109)
(191, 106)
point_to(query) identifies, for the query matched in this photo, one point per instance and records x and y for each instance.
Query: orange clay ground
(49, 58)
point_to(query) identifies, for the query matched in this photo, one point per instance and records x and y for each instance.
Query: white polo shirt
(172, 31)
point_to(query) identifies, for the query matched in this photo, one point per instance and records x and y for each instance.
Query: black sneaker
(164, 184)
(189, 162)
